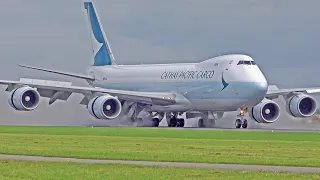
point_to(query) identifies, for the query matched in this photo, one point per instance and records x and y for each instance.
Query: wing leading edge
(274, 91)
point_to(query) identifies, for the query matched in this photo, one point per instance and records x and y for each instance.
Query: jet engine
(24, 98)
(266, 111)
(105, 107)
(301, 105)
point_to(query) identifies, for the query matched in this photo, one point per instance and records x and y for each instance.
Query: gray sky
(282, 36)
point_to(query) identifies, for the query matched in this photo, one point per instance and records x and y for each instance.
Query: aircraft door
(231, 86)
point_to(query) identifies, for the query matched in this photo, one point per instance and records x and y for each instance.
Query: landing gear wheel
(155, 122)
(173, 122)
(201, 123)
(180, 122)
(244, 124)
(238, 123)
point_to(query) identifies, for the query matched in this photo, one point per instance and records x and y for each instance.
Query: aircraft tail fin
(102, 54)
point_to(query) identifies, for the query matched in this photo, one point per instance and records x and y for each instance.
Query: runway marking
(170, 164)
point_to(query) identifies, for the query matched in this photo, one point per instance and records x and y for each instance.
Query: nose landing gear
(241, 122)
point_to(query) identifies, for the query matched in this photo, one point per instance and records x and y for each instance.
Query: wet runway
(170, 164)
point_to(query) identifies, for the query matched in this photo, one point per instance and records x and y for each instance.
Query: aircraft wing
(58, 72)
(48, 88)
(274, 92)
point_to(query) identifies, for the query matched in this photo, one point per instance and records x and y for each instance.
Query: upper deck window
(246, 63)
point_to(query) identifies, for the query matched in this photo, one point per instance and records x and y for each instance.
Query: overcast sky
(282, 36)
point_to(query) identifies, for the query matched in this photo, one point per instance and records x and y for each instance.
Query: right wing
(274, 92)
(48, 89)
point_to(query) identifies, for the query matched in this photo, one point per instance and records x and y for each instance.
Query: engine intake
(24, 99)
(105, 107)
(266, 111)
(301, 105)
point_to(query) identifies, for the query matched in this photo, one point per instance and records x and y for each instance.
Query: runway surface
(216, 129)
(267, 130)
(170, 164)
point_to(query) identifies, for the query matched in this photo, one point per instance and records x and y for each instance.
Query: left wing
(274, 91)
(62, 90)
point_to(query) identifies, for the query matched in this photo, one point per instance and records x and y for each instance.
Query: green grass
(236, 147)
(26, 170)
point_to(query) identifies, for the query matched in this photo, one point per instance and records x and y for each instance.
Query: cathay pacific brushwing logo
(224, 83)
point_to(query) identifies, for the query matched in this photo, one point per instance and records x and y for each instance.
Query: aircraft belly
(217, 104)
(202, 105)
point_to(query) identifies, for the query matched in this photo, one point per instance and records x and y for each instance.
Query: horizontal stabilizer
(59, 72)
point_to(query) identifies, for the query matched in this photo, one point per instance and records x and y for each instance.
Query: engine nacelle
(105, 107)
(24, 98)
(266, 111)
(301, 105)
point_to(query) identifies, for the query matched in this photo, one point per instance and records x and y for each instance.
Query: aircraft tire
(180, 122)
(173, 122)
(155, 122)
(244, 124)
(238, 123)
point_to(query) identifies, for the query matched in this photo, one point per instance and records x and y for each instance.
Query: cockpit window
(246, 63)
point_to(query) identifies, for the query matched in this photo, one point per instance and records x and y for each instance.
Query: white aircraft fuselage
(217, 84)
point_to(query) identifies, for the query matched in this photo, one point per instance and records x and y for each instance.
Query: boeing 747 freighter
(204, 90)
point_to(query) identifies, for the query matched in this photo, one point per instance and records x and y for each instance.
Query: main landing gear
(174, 121)
(242, 122)
(156, 118)
(155, 122)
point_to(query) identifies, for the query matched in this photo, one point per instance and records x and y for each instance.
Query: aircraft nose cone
(262, 87)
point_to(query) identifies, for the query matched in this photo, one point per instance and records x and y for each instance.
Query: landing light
(241, 112)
